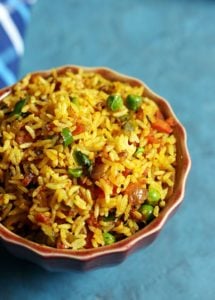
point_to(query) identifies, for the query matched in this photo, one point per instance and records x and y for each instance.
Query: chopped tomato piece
(41, 218)
(79, 129)
(126, 172)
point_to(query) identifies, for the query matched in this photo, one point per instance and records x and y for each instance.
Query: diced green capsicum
(18, 107)
(83, 160)
(75, 172)
(67, 136)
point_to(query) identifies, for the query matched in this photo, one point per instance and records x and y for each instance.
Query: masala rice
(41, 200)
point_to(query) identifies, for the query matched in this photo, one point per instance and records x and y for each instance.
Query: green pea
(133, 102)
(109, 238)
(114, 102)
(147, 211)
(67, 136)
(77, 172)
(153, 196)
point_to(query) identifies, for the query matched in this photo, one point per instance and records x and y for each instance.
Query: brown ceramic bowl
(61, 259)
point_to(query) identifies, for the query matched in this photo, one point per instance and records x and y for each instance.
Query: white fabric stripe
(11, 30)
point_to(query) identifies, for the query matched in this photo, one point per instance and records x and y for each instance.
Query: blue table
(170, 45)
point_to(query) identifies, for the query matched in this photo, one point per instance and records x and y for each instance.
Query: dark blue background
(170, 44)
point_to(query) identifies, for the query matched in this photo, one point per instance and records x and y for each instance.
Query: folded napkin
(14, 17)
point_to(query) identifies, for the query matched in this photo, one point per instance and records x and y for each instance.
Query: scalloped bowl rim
(127, 243)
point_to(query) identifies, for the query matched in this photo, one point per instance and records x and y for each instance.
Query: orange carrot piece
(162, 126)
(152, 140)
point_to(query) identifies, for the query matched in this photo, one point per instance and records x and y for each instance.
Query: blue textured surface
(170, 45)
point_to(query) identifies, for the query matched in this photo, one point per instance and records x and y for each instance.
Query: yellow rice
(39, 200)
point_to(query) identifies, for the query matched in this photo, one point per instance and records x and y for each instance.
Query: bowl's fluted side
(62, 261)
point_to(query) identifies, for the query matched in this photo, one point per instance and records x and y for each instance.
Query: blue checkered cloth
(14, 16)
